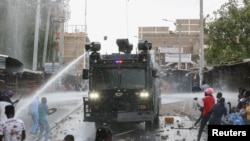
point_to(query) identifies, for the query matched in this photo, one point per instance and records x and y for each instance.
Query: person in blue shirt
(33, 111)
(43, 111)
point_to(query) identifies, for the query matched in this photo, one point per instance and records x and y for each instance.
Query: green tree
(228, 33)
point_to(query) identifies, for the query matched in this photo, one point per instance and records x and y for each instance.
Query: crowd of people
(214, 110)
(13, 129)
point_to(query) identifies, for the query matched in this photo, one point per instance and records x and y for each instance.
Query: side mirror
(155, 73)
(85, 74)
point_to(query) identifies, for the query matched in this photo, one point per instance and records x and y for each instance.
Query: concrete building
(167, 43)
(164, 42)
(74, 45)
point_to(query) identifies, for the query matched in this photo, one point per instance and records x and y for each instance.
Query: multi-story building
(74, 45)
(169, 44)
(165, 42)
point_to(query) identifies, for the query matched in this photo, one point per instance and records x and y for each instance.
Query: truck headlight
(144, 94)
(94, 95)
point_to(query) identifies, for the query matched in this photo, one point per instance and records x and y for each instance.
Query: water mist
(17, 22)
(48, 84)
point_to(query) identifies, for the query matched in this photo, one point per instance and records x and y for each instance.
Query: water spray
(54, 78)
(15, 103)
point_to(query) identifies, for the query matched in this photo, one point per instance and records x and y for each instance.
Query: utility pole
(46, 37)
(85, 37)
(34, 66)
(61, 19)
(179, 53)
(61, 42)
(201, 43)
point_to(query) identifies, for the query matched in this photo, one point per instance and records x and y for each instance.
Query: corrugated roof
(10, 64)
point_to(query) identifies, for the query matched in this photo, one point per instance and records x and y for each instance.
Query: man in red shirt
(208, 103)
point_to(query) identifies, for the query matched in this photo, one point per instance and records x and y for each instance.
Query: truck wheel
(156, 122)
(156, 119)
(98, 124)
(149, 126)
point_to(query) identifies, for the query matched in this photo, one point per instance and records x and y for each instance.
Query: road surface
(68, 119)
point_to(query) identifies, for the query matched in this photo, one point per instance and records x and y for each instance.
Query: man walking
(43, 111)
(219, 110)
(12, 129)
(33, 111)
(208, 103)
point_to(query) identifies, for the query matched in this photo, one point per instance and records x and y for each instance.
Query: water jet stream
(51, 80)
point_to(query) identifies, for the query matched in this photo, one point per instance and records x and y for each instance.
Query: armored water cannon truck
(123, 87)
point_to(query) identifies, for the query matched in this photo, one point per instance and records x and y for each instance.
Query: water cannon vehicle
(124, 88)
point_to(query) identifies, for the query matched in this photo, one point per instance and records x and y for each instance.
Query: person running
(219, 110)
(208, 103)
(12, 129)
(33, 112)
(43, 111)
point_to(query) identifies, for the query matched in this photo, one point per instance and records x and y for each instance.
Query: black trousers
(198, 120)
(204, 121)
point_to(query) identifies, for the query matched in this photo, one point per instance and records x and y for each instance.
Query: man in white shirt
(12, 129)
(2, 110)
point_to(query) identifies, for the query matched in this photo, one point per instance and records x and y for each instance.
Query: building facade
(74, 46)
(168, 44)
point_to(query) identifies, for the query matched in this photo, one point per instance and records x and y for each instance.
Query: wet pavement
(64, 102)
(68, 119)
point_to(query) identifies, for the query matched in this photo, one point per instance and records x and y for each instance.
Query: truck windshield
(118, 78)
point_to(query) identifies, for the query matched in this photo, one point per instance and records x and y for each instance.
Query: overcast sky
(121, 18)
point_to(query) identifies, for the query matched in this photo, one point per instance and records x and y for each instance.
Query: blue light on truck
(118, 61)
